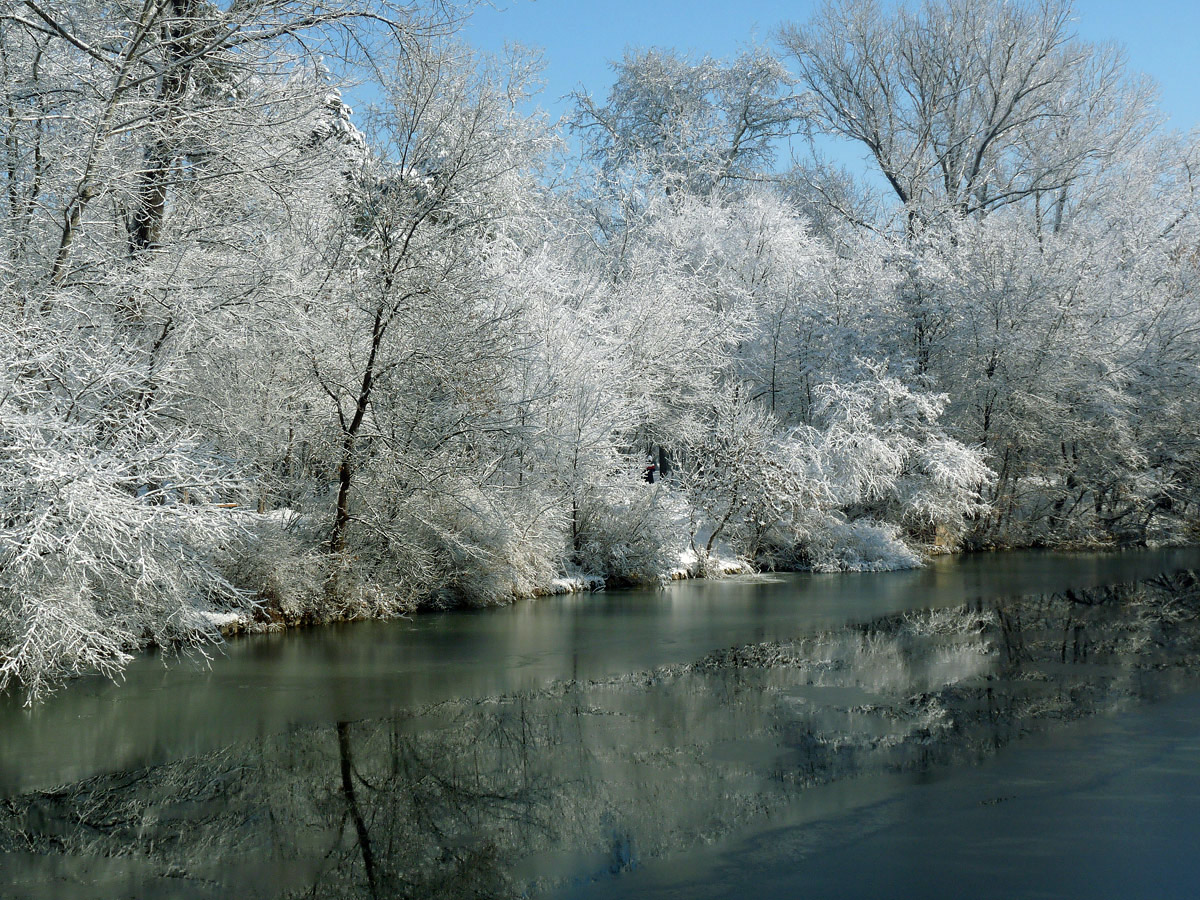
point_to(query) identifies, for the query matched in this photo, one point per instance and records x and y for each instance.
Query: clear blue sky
(579, 37)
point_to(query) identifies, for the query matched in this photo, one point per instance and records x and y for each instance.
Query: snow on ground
(572, 584)
(689, 566)
(225, 622)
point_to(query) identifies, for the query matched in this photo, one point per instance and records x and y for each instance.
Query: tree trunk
(350, 431)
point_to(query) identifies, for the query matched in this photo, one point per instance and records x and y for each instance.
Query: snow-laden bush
(283, 567)
(110, 522)
(490, 546)
(743, 479)
(862, 545)
(444, 543)
(874, 471)
(879, 448)
(940, 487)
(628, 530)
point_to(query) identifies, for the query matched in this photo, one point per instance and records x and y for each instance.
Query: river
(602, 745)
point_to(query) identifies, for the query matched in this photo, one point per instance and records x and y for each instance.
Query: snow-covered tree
(691, 124)
(967, 107)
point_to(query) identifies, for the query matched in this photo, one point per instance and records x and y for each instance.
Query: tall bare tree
(969, 106)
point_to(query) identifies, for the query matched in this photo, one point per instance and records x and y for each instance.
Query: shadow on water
(657, 779)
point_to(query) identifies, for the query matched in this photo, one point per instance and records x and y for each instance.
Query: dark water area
(615, 745)
(1107, 807)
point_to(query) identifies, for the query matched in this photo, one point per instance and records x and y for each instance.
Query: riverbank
(274, 610)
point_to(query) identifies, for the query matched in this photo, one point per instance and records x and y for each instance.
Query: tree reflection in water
(512, 795)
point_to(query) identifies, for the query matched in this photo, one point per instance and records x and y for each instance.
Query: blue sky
(578, 38)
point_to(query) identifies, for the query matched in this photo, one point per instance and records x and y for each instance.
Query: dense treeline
(268, 358)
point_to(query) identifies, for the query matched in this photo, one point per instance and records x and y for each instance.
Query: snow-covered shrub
(840, 494)
(881, 452)
(283, 567)
(862, 545)
(629, 530)
(940, 487)
(742, 480)
(111, 520)
(490, 546)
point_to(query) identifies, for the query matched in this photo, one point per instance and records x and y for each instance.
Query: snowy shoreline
(231, 624)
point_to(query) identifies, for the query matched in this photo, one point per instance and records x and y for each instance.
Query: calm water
(1104, 808)
(545, 749)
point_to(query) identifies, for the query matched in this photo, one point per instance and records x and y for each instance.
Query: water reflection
(265, 684)
(583, 781)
